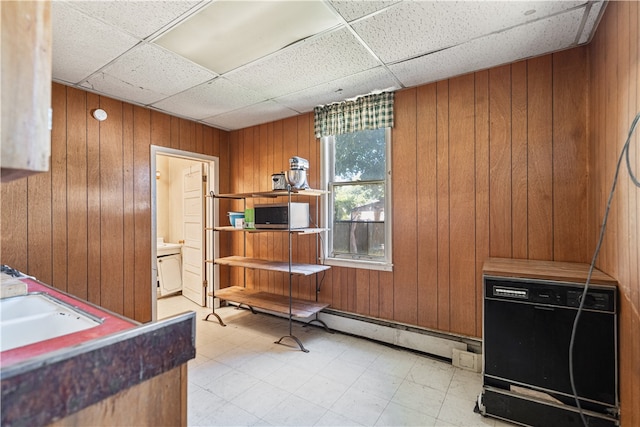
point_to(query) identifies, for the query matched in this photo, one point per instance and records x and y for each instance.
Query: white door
(193, 249)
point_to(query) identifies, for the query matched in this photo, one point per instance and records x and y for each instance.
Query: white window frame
(326, 166)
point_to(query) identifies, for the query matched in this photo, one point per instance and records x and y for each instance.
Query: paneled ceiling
(234, 64)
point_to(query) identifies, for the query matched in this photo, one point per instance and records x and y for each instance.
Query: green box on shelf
(249, 218)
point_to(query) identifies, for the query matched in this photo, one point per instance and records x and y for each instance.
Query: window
(356, 171)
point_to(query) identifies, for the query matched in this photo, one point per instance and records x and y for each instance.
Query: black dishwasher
(526, 332)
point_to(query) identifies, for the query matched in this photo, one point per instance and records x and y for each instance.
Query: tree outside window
(359, 186)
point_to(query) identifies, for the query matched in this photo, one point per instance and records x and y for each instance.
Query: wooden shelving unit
(252, 298)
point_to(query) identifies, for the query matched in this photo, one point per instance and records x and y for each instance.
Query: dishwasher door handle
(541, 307)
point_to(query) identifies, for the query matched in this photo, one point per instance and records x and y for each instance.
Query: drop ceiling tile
(115, 88)
(256, 114)
(82, 44)
(139, 18)
(537, 38)
(590, 25)
(147, 74)
(209, 99)
(228, 34)
(308, 63)
(410, 29)
(375, 79)
(351, 10)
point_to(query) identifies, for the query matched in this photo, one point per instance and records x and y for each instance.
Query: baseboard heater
(397, 334)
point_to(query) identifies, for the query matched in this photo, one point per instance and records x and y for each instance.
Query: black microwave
(276, 215)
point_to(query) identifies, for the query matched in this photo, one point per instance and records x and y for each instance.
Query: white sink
(31, 318)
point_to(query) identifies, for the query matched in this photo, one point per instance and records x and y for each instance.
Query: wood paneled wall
(488, 164)
(85, 226)
(614, 102)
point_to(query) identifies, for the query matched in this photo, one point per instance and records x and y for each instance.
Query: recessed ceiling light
(228, 34)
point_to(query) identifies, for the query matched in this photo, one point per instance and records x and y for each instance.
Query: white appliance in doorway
(193, 248)
(169, 264)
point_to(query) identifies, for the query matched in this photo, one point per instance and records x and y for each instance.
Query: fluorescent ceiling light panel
(228, 34)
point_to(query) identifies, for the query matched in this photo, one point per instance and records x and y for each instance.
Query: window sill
(352, 263)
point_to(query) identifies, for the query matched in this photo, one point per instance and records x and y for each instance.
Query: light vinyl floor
(240, 377)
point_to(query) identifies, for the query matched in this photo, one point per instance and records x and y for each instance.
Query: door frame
(212, 273)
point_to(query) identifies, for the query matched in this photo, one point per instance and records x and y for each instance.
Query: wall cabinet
(254, 298)
(26, 88)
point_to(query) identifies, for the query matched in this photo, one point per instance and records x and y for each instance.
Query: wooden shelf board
(271, 230)
(275, 193)
(228, 228)
(269, 301)
(262, 264)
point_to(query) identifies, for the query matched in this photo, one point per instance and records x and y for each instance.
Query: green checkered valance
(364, 113)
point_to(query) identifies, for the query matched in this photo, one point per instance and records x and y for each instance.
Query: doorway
(180, 183)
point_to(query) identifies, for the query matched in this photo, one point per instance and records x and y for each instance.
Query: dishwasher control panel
(593, 300)
(598, 298)
(503, 291)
